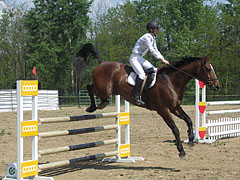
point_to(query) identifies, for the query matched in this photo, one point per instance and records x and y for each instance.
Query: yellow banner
(124, 118)
(125, 150)
(202, 104)
(29, 168)
(29, 88)
(202, 129)
(29, 128)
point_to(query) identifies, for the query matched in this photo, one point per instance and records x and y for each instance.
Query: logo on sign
(125, 150)
(29, 88)
(12, 170)
(29, 168)
(29, 128)
(124, 118)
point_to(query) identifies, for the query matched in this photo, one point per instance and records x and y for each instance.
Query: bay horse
(165, 97)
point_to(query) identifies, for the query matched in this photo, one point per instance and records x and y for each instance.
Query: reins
(183, 71)
(207, 81)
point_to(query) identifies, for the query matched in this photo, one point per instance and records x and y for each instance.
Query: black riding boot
(136, 92)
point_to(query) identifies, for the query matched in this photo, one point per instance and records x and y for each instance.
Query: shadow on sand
(98, 165)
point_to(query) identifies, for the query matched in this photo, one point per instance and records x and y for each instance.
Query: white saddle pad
(132, 79)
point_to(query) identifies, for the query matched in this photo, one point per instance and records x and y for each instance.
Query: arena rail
(29, 169)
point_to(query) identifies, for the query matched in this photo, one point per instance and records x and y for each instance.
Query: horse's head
(207, 74)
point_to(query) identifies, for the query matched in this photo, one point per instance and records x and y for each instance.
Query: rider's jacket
(146, 43)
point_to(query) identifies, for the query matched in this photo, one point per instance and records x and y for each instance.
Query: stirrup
(138, 100)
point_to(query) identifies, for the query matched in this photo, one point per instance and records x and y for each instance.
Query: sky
(95, 7)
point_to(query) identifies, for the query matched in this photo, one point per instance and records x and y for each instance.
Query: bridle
(207, 81)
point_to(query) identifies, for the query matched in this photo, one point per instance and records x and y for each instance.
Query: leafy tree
(56, 31)
(12, 47)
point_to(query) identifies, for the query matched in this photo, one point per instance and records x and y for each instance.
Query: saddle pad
(132, 79)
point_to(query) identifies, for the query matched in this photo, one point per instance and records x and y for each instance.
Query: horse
(165, 97)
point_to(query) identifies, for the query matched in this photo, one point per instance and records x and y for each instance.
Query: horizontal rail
(223, 111)
(77, 147)
(76, 131)
(76, 160)
(214, 103)
(223, 133)
(214, 124)
(76, 118)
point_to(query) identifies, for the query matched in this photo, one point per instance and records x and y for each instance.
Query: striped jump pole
(77, 131)
(218, 128)
(77, 147)
(77, 118)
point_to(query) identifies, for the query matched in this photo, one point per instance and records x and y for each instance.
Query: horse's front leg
(92, 107)
(165, 113)
(179, 112)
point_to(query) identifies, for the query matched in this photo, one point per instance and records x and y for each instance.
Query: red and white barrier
(212, 130)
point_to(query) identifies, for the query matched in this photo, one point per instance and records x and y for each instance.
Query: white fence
(223, 127)
(216, 128)
(47, 100)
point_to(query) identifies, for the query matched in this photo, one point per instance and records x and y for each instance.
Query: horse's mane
(179, 64)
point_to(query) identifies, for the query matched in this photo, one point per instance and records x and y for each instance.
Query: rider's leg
(136, 96)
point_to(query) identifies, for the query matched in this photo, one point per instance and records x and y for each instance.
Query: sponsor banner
(124, 118)
(29, 128)
(125, 150)
(29, 88)
(29, 168)
(202, 106)
(201, 84)
(202, 132)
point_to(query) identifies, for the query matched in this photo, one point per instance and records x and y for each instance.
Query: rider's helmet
(152, 24)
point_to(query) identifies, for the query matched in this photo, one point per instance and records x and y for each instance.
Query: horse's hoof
(102, 105)
(182, 156)
(91, 109)
(190, 144)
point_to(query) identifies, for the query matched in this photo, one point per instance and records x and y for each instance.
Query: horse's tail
(84, 55)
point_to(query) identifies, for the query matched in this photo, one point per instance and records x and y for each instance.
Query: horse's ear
(207, 57)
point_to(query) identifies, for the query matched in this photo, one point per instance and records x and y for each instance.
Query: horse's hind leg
(92, 107)
(169, 121)
(179, 112)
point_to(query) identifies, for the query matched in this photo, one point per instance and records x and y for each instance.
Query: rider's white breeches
(138, 63)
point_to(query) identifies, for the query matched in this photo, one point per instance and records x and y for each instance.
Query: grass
(218, 143)
(2, 133)
(213, 178)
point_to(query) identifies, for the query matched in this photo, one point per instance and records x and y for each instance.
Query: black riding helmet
(152, 24)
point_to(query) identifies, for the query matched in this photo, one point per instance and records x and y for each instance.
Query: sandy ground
(150, 138)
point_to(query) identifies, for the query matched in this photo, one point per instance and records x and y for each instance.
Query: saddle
(151, 74)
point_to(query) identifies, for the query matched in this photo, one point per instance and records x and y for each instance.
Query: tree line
(48, 36)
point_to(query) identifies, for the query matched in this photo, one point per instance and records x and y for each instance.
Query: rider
(138, 63)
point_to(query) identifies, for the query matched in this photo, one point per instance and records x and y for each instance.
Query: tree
(56, 29)
(12, 47)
